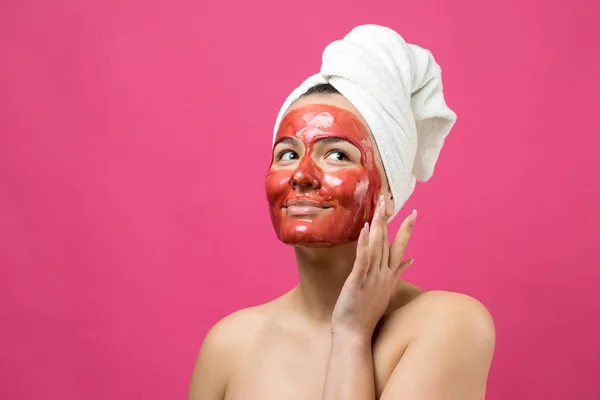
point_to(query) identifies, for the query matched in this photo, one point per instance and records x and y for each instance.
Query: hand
(366, 293)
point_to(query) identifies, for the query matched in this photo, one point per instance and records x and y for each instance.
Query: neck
(323, 272)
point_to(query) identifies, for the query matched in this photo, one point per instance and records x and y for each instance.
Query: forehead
(314, 117)
(332, 99)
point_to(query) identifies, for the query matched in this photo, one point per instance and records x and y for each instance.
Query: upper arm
(451, 358)
(216, 358)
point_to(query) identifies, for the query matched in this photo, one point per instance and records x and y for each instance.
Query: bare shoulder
(434, 344)
(457, 311)
(221, 350)
(441, 313)
(230, 333)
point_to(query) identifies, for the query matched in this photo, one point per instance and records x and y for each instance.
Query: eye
(287, 155)
(337, 155)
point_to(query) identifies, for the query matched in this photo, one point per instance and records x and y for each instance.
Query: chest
(294, 368)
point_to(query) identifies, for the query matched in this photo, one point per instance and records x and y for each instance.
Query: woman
(351, 329)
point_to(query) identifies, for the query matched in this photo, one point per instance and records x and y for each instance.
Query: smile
(304, 203)
(304, 208)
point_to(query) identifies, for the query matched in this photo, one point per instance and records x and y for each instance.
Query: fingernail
(413, 216)
(366, 225)
(412, 260)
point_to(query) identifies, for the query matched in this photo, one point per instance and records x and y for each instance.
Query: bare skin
(351, 329)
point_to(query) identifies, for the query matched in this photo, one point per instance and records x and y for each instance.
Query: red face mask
(323, 178)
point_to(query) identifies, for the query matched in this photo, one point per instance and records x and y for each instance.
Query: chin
(308, 239)
(319, 245)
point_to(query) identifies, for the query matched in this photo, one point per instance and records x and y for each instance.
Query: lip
(304, 208)
(304, 203)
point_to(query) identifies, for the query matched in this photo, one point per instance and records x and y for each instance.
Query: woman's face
(323, 179)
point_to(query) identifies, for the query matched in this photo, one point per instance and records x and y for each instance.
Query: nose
(306, 175)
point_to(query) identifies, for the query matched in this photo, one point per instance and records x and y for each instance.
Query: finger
(375, 240)
(402, 266)
(385, 244)
(401, 240)
(361, 264)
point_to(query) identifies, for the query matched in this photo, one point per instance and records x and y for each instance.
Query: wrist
(351, 337)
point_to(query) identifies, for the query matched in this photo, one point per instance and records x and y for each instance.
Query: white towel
(397, 87)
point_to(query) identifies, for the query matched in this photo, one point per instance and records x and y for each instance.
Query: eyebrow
(287, 140)
(333, 140)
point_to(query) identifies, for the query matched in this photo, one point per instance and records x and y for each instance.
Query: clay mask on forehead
(323, 177)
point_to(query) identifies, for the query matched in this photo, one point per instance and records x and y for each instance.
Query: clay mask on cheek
(312, 201)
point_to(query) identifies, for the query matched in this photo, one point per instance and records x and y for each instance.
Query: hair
(323, 88)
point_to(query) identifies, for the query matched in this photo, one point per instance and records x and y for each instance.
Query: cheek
(277, 184)
(350, 188)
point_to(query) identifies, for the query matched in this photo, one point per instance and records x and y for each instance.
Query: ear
(390, 206)
(389, 201)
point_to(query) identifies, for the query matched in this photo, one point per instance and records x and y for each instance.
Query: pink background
(134, 141)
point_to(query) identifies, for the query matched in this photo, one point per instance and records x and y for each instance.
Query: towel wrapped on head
(397, 88)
